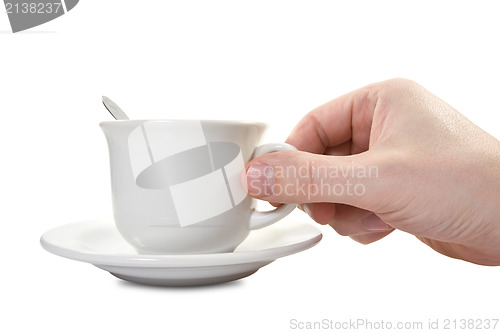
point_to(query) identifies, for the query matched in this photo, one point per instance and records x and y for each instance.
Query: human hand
(391, 156)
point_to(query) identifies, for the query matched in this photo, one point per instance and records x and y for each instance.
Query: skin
(438, 174)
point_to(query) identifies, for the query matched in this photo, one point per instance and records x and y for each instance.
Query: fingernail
(307, 210)
(374, 223)
(260, 180)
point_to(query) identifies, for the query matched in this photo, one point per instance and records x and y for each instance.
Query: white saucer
(99, 243)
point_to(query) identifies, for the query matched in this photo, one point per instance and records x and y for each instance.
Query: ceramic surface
(177, 184)
(99, 243)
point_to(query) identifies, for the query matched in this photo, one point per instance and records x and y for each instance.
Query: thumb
(301, 177)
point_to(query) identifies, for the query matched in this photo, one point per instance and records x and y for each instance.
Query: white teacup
(177, 184)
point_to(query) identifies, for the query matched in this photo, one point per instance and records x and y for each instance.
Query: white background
(268, 61)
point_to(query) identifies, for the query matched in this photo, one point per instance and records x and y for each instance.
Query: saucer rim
(181, 260)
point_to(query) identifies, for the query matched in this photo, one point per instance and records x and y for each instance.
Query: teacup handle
(263, 219)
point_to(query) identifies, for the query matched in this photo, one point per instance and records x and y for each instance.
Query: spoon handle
(114, 109)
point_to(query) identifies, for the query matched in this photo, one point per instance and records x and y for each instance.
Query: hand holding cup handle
(260, 219)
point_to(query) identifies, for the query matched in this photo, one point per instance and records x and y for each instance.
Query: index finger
(346, 118)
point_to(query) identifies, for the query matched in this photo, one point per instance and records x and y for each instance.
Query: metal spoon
(114, 109)
(119, 114)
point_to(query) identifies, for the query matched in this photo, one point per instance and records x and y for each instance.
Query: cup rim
(213, 121)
